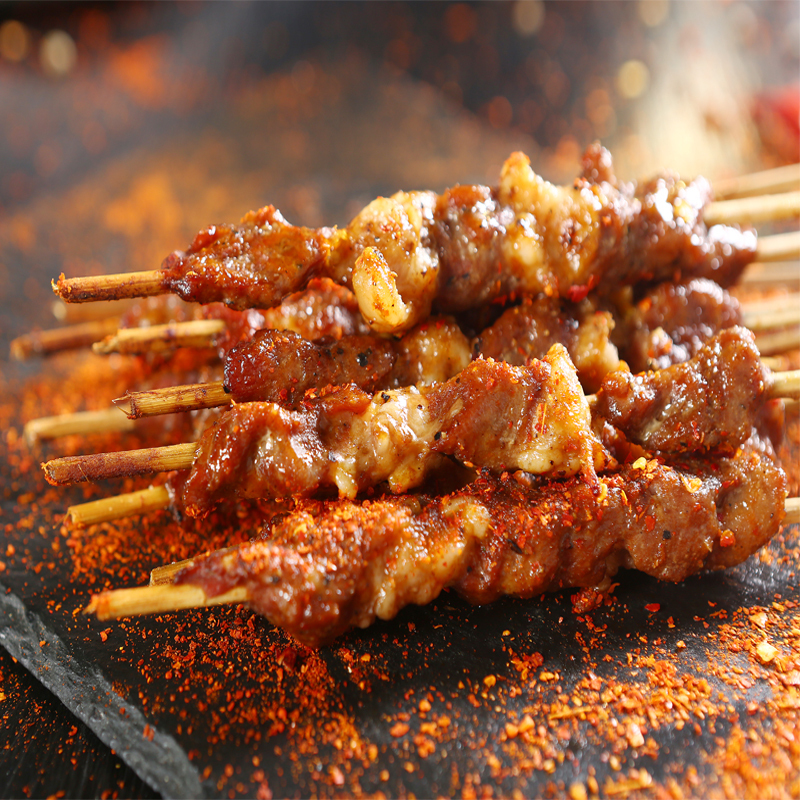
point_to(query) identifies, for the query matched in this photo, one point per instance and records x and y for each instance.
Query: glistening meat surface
(673, 321)
(328, 567)
(534, 418)
(530, 329)
(413, 251)
(707, 403)
(280, 366)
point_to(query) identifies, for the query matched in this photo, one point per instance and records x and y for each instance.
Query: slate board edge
(161, 762)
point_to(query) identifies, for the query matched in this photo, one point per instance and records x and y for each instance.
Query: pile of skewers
(500, 390)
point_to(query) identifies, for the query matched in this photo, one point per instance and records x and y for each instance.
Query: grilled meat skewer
(401, 255)
(534, 418)
(708, 403)
(669, 325)
(328, 567)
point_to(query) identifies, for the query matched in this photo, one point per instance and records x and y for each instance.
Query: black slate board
(48, 750)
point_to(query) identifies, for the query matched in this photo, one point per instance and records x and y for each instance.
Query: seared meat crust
(404, 254)
(708, 403)
(327, 567)
(673, 321)
(530, 329)
(280, 366)
(254, 264)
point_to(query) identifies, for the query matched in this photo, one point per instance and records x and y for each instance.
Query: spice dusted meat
(264, 258)
(529, 329)
(431, 352)
(327, 567)
(405, 254)
(673, 321)
(663, 237)
(708, 403)
(529, 235)
(534, 418)
(280, 366)
(753, 490)
(253, 264)
(391, 260)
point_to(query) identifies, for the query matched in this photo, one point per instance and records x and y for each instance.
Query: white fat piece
(552, 224)
(395, 276)
(390, 441)
(560, 438)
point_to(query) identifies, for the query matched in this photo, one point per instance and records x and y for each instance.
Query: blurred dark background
(80, 82)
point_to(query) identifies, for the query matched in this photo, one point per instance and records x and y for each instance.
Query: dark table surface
(48, 750)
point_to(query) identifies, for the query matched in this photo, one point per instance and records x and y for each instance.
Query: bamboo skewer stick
(81, 423)
(157, 338)
(105, 337)
(158, 599)
(779, 179)
(779, 247)
(160, 576)
(95, 467)
(773, 273)
(759, 316)
(786, 384)
(776, 303)
(769, 208)
(110, 287)
(774, 363)
(770, 344)
(784, 312)
(162, 596)
(119, 506)
(70, 337)
(205, 333)
(174, 399)
(99, 466)
(198, 396)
